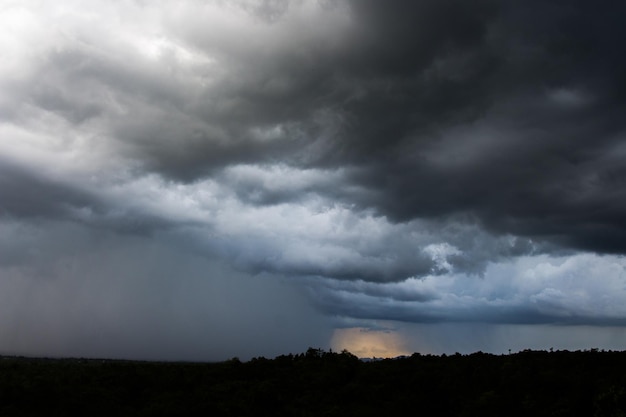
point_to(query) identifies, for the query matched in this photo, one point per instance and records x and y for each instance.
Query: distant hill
(320, 383)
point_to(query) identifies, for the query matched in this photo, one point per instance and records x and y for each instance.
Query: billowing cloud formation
(579, 289)
(407, 161)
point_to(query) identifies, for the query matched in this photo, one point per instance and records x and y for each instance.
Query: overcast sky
(208, 179)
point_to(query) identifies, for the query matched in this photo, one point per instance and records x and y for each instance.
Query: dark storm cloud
(429, 161)
(27, 195)
(508, 111)
(24, 194)
(504, 115)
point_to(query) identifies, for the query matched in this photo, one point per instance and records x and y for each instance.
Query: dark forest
(321, 383)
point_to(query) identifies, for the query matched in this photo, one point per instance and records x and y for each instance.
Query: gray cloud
(573, 290)
(501, 144)
(396, 160)
(27, 195)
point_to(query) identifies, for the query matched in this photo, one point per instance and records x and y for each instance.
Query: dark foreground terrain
(318, 383)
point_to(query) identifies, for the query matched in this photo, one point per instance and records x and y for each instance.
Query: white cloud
(440, 253)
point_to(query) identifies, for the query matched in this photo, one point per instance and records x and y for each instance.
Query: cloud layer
(416, 162)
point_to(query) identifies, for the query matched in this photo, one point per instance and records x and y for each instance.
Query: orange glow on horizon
(366, 343)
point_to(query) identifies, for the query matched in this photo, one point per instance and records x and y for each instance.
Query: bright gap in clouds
(370, 343)
(449, 338)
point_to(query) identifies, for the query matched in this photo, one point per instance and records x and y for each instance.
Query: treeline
(321, 383)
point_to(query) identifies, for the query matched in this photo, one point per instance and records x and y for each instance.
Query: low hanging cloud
(581, 289)
(420, 162)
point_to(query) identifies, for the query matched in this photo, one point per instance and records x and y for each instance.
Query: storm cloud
(354, 162)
